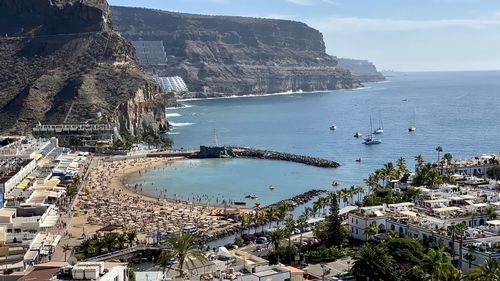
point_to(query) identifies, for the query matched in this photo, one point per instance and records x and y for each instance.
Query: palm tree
(307, 212)
(121, 240)
(360, 191)
(109, 241)
(452, 231)
(245, 221)
(87, 247)
(372, 182)
(439, 149)
(401, 166)
(447, 157)
(276, 237)
(182, 247)
(372, 263)
(370, 231)
(272, 215)
(391, 234)
(283, 211)
(289, 227)
(131, 236)
(301, 223)
(470, 258)
(488, 272)
(419, 159)
(66, 248)
(437, 263)
(491, 213)
(461, 229)
(434, 178)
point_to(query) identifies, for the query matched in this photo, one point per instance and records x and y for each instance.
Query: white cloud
(312, 2)
(497, 14)
(352, 24)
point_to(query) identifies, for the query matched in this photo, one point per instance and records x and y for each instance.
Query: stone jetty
(246, 152)
(273, 155)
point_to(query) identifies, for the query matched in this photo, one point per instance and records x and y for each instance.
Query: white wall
(117, 271)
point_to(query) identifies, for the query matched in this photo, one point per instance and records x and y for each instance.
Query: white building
(95, 271)
(359, 220)
(173, 84)
(13, 171)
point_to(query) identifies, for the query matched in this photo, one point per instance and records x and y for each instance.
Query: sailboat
(380, 129)
(412, 127)
(371, 139)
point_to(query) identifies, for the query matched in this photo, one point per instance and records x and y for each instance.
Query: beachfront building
(478, 165)
(89, 137)
(361, 219)
(13, 170)
(95, 271)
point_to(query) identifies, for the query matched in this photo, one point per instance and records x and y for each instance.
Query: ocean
(455, 110)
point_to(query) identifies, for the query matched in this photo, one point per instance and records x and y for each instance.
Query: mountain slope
(236, 55)
(62, 56)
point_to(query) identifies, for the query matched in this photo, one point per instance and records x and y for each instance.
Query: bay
(455, 110)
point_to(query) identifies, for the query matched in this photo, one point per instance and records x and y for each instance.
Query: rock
(57, 55)
(363, 70)
(221, 55)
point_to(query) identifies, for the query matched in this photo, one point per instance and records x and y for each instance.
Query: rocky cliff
(363, 70)
(235, 55)
(60, 60)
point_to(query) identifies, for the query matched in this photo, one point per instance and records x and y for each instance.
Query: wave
(385, 81)
(361, 88)
(173, 133)
(288, 93)
(173, 115)
(179, 107)
(182, 124)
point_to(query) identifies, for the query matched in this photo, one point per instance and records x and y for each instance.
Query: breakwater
(253, 153)
(273, 155)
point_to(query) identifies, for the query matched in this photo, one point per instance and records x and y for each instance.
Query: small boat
(412, 127)
(358, 160)
(372, 140)
(271, 187)
(358, 135)
(240, 203)
(251, 196)
(380, 128)
(333, 127)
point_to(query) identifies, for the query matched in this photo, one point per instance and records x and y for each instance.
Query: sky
(403, 35)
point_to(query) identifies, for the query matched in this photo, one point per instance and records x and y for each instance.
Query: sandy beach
(107, 202)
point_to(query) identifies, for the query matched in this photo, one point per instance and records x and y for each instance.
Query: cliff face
(60, 60)
(363, 70)
(235, 55)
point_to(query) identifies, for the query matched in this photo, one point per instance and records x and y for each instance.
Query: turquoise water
(215, 180)
(456, 110)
